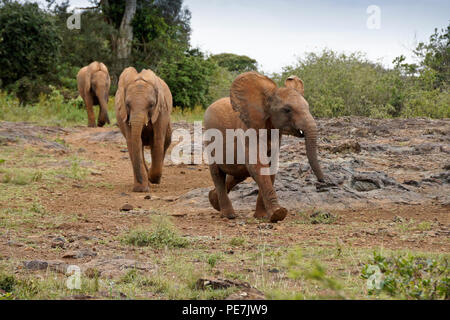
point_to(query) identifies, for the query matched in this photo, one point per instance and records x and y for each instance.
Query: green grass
(163, 234)
(187, 114)
(237, 241)
(50, 110)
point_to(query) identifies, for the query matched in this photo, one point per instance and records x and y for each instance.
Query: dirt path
(86, 212)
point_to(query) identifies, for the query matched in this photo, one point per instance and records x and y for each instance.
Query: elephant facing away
(143, 105)
(257, 103)
(93, 86)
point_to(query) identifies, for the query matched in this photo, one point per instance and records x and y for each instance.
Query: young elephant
(143, 106)
(256, 102)
(93, 86)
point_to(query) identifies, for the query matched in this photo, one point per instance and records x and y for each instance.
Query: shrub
(35, 55)
(408, 276)
(344, 85)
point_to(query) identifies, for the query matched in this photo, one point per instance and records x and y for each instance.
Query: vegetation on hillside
(48, 56)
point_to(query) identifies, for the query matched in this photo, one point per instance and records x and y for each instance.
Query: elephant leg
(102, 117)
(88, 101)
(143, 158)
(143, 186)
(267, 193)
(219, 177)
(230, 183)
(168, 139)
(261, 212)
(157, 152)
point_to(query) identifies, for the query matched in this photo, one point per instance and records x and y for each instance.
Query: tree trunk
(126, 32)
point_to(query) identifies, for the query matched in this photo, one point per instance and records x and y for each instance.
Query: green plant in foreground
(314, 271)
(237, 241)
(319, 217)
(408, 276)
(7, 282)
(162, 235)
(213, 259)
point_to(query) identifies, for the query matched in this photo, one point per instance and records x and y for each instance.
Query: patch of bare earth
(392, 191)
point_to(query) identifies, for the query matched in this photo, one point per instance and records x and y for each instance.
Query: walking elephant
(93, 86)
(143, 105)
(257, 103)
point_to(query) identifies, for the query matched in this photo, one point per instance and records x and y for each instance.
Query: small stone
(58, 242)
(148, 197)
(127, 207)
(35, 265)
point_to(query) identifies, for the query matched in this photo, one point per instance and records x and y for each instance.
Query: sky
(277, 32)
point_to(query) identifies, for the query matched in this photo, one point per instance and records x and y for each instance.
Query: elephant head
(139, 102)
(262, 105)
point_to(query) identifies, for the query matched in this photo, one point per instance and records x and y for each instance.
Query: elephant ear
(161, 103)
(125, 78)
(81, 79)
(250, 94)
(296, 83)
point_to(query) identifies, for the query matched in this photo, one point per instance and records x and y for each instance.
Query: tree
(235, 63)
(29, 47)
(435, 56)
(188, 78)
(159, 29)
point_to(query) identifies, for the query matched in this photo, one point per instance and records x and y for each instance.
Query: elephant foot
(140, 188)
(214, 200)
(92, 125)
(261, 215)
(229, 214)
(155, 179)
(278, 215)
(101, 124)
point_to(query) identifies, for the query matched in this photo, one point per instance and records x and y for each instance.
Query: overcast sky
(275, 32)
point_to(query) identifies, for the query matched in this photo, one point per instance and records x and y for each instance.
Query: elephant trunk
(137, 124)
(311, 148)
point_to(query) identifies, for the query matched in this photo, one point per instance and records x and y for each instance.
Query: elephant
(143, 104)
(256, 102)
(93, 85)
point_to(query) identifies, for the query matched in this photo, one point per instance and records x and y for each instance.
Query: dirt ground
(408, 210)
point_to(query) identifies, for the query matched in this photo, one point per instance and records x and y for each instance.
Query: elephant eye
(287, 109)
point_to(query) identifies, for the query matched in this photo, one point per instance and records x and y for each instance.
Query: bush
(188, 78)
(343, 85)
(35, 55)
(408, 277)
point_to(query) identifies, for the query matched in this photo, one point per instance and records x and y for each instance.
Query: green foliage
(344, 85)
(435, 57)
(235, 63)
(7, 282)
(51, 109)
(188, 78)
(318, 217)
(408, 276)
(162, 235)
(315, 272)
(237, 241)
(27, 62)
(213, 259)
